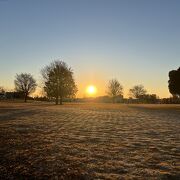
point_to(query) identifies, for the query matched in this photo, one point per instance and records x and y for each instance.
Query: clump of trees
(141, 96)
(137, 91)
(59, 82)
(171, 100)
(174, 82)
(115, 90)
(25, 84)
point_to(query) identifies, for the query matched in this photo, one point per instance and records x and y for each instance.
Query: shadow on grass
(15, 114)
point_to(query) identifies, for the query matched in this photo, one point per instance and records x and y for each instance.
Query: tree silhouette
(115, 89)
(2, 89)
(58, 81)
(174, 82)
(137, 91)
(25, 83)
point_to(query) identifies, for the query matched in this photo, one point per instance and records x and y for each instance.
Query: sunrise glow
(91, 90)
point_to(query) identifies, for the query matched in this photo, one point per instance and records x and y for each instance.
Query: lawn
(89, 141)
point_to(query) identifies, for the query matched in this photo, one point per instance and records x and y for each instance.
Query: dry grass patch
(89, 141)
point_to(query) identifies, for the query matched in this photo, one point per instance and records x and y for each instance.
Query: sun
(91, 90)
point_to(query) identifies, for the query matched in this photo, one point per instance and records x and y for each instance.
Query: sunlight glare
(91, 90)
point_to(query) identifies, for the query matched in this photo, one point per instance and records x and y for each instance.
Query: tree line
(59, 83)
(138, 92)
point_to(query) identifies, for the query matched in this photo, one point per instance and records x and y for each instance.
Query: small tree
(25, 83)
(174, 82)
(2, 90)
(115, 89)
(58, 81)
(137, 91)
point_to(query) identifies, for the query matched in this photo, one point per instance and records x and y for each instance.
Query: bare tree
(25, 83)
(137, 91)
(2, 89)
(115, 89)
(59, 81)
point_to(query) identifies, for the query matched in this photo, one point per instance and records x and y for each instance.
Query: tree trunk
(25, 97)
(56, 100)
(113, 99)
(60, 100)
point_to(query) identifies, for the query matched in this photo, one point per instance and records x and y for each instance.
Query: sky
(134, 41)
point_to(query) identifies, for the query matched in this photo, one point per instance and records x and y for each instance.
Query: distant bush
(172, 100)
(44, 98)
(14, 95)
(149, 98)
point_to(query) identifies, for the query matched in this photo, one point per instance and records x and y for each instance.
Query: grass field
(89, 141)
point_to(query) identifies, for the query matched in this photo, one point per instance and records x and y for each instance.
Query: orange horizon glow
(100, 90)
